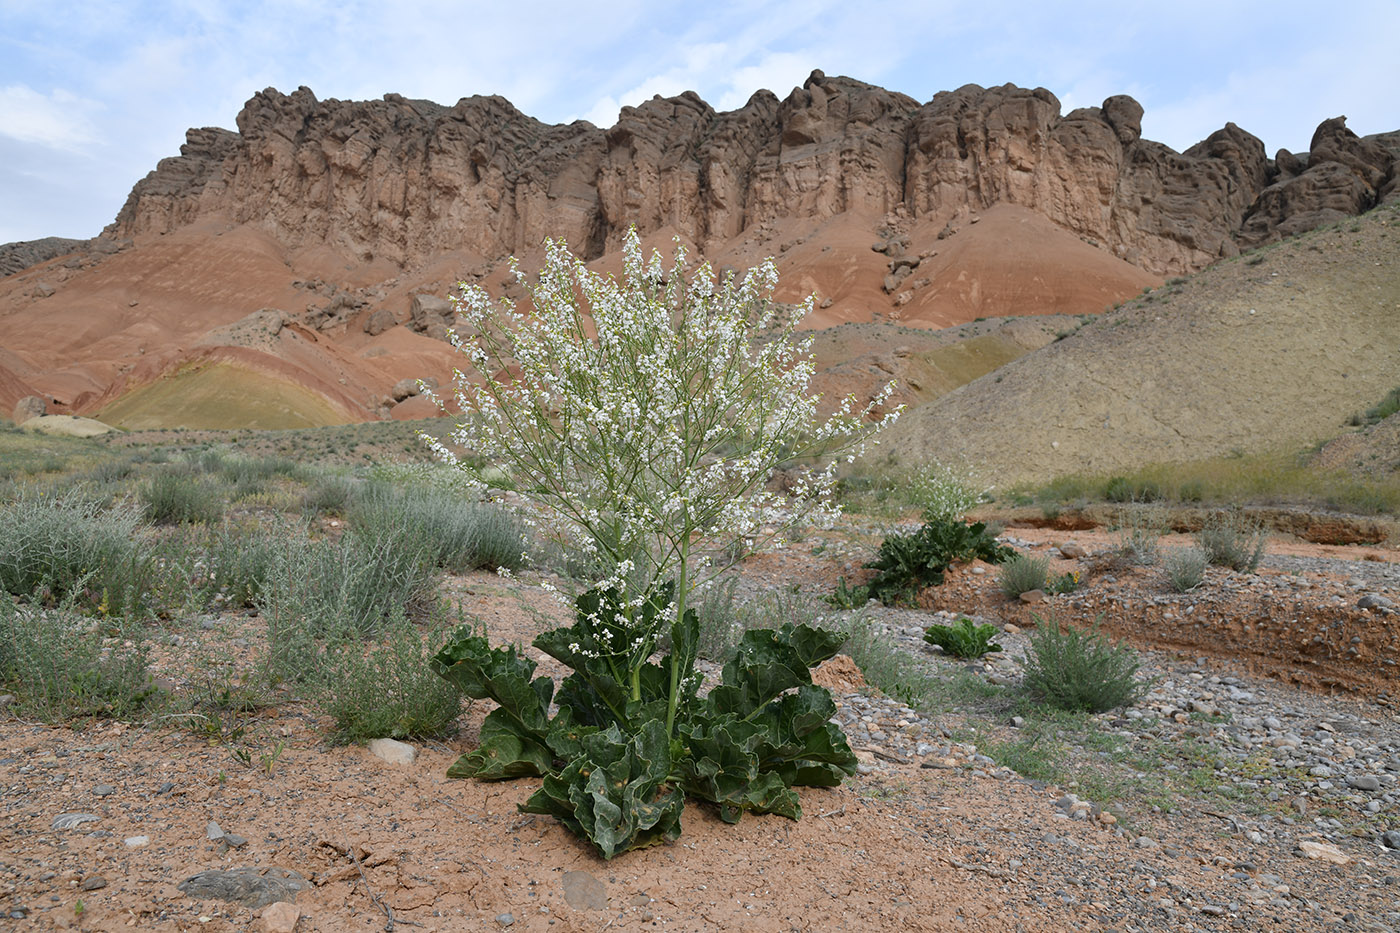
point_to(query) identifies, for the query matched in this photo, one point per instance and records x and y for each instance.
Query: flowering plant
(642, 420)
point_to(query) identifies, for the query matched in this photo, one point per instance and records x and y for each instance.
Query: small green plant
(387, 690)
(1123, 489)
(1064, 583)
(1229, 539)
(964, 638)
(1021, 574)
(1184, 568)
(1080, 671)
(268, 759)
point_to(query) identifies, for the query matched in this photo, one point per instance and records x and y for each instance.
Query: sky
(93, 94)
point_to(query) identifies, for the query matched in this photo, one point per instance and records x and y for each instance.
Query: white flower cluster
(643, 418)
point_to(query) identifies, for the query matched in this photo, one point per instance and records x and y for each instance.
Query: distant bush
(907, 562)
(1229, 539)
(329, 494)
(1080, 671)
(178, 497)
(1021, 574)
(1123, 489)
(61, 665)
(459, 535)
(1139, 531)
(1185, 568)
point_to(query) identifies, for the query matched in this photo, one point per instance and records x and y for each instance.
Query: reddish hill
(334, 216)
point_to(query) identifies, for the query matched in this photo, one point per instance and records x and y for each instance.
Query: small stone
(1011, 629)
(978, 571)
(1374, 601)
(213, 831)
(1364, 782)
(136, 842)
(392, 751)
(281, 917)
(1032, 596)
(234, 841)
(583, 891)
(1323, 851)
(505, 920)
(1073, 550)
(1142, 842)
(70, 820)
(165, 788)
(1202, 707)
(92, 883)
(7, 700)
(1391, 839)
(104, 790)
(251, 887)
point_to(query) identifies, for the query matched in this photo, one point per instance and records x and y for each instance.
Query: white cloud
(58, 120)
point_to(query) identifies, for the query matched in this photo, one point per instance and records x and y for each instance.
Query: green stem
(681, 583)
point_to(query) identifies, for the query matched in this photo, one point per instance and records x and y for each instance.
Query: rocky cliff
(398, 179)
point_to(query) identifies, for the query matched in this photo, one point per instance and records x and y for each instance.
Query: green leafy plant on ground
(906, 563)
(612, 772)
(1080, 671)
(641, 421)
(179, 497)
(964, 638)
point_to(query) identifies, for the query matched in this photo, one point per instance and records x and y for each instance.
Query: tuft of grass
(1229, 539)
(62, 666)
(1184, 568)
(179, 497)
(1080, 671)
(1021, 574)
(1138, 532)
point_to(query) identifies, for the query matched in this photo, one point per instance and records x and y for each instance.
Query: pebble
(393, 751)
(1367, 782)
(70, 820)
(136, 842)
(505, 920)
(280, 917)
(92, 883)
(104, 790)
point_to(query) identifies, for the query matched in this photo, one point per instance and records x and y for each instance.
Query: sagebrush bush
(387, 690)
(1229, 539)
(53, 548)
(1080, 671)
(61, 665)
(1021, 574)
(329, 494)
(1139, 530)
(234, 564)
(323, 592)
(1184, 568)
(459, 535)
(179, 497)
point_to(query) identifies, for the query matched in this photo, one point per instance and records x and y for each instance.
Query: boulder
(31, 406)
(379, 321)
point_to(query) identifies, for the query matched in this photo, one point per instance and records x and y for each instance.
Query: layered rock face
(400, 179)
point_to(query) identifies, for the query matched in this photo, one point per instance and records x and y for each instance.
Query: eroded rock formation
(399, 179)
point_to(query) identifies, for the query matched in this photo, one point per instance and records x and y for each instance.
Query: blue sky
(93, 94)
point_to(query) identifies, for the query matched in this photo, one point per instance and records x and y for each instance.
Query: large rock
(398, 179)
(31, 406)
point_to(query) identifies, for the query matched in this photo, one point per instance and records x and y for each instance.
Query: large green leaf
(513, 736)
(616, 794)
(767, 664)
(723, 767)
(801, 743)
